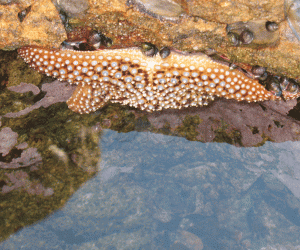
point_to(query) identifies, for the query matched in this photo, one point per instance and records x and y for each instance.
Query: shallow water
(163, 192)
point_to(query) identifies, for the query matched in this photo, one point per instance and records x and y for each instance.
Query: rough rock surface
(195, 25)
(20, 180)
(41, 26)
(245, 124)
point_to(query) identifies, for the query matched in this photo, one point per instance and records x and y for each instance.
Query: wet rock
(254, 34)
(29, 157)
(22, 145)
(19, 179)
(291, 9)
(161, 9)
(237, 10)
(21, 3)
(39, 189)
(8, 140)
(22, 14)
(4, 2)
(237, 123)
(190, 240)
(10, 26)
(43, 23)
(250, 206)
(73, 8)
(203, 26)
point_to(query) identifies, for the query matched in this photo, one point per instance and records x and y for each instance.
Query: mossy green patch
(230, 136)
(265, 138)
(121, 120)
(165, 130)
(13, 102)
(142, 124)
(188, 127)
(13, 70)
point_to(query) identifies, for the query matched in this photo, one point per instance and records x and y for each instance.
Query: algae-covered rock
(46, 157)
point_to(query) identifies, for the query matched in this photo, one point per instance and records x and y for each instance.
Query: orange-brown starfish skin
(129, 77)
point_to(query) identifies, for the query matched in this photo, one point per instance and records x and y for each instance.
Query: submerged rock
(162, 9)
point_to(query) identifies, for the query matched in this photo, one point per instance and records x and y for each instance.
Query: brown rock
(41, 26)
(238, 123)
(10, 26)
(225, 11)
(202, 25)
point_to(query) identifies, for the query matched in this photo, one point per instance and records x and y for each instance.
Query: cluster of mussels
(280, 86)
(275, 84)
(86, 40)
(256, 34)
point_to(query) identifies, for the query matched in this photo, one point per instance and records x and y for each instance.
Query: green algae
(265, 138)
(188, 127)
(68, 143)
(165, 130)
(121, 120)
(13, 102)
(142, 124)
(13, 70)
(229, 135)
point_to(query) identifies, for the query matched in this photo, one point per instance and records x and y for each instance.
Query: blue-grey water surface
(162, 192)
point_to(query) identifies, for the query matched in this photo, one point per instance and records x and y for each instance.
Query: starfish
(129, 77)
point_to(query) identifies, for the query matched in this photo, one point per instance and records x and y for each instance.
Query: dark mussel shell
(272, 84)
(164, 52)
(246, 37)
(271, 26)
(233, 38)
(22, 14)
(97, 39)
(289, 85)
(258, 70)
(149, 49)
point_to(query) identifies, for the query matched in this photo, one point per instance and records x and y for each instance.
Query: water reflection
(162, 192)
(45, 156)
